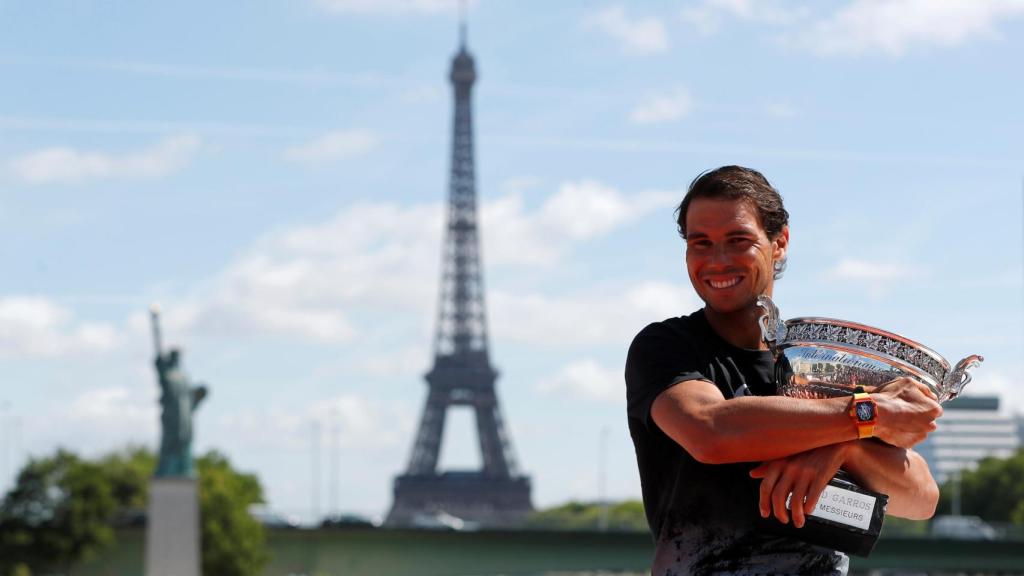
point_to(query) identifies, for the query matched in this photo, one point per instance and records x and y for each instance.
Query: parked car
(443, 521)
(962, 528)
(347, 521)
(272, 519)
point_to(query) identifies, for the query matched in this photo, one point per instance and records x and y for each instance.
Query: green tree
(994, 490)
(625, 515)
(57, 514)
(128, 472)
(233, 541)
(62, 509)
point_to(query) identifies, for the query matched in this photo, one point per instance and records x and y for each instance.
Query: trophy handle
(772, 329)
(959, 377)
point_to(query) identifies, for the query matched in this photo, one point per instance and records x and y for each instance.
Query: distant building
(970, 429)
(1020, 427)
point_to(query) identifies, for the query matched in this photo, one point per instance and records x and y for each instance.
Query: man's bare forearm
(759, 428)
(750, 429)
(900, 473)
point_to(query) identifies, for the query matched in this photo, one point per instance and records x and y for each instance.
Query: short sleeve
(658, 359)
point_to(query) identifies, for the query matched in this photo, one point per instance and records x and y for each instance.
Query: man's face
(728, 254)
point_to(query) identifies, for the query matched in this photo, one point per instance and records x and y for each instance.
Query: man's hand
(803, 475)
(907, 410)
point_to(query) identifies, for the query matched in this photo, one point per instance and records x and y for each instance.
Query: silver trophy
(826, 358)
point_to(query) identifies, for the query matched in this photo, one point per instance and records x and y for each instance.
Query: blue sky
(274, 176)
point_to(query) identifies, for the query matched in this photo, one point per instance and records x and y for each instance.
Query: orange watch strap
(864, 429)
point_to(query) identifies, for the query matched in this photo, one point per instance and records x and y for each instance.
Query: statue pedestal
(172, 527)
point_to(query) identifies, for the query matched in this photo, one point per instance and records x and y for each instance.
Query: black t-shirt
(702, 515)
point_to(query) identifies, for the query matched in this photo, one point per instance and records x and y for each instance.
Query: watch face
(865, 411)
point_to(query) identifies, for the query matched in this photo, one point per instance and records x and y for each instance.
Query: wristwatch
(864, 413)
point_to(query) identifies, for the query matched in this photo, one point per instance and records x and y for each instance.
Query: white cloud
(68, 165)
(321, 282)
(781, 110)
(389, 6)
(117, 414)
(333, 146)
(309, 281)
(356, 421)
(37, 326)
(588, 380)
(739, 8)
(894, 27)
(891, 27)
(876, 277)
(985, 381)
(759, 10)
(408, 361)
(660, 108)
(577, 212)
(424, 94)
(637, 35)
(870, 271)
(708, 16)
(588, 209)
(701, 19)
(318, 282)
(363, 422)
(607, 316)
(661, 300)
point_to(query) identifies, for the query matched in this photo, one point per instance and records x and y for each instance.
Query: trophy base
(847, 518)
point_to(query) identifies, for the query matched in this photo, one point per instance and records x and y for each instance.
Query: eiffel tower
(462, 375)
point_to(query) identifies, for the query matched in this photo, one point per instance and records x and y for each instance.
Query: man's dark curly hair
(737, 183)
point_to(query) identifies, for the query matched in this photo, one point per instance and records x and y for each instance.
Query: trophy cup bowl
(826, 358)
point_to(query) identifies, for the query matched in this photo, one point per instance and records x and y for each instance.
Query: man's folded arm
(900, 473)
(747, 429)
(757, 428)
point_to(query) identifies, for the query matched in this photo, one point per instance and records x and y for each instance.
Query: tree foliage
(994, 490)
(233, 541)
(57, 514)
(128, 472)
(584, 516)
(62, 510)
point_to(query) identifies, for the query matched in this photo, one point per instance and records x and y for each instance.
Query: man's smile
(724, 283)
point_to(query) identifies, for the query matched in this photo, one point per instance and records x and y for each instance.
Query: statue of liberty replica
(172, 526)
(178, 401)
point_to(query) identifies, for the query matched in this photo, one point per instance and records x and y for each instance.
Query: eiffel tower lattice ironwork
(462, 375)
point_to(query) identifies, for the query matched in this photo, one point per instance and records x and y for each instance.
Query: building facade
(971, 428)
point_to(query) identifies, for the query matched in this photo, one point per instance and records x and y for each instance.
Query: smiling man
(714, 446)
